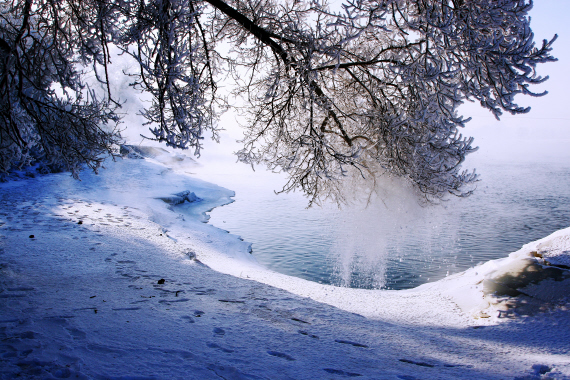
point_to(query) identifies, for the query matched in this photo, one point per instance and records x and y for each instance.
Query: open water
(395, 243)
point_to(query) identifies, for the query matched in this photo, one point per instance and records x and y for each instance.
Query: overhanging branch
(261, 34)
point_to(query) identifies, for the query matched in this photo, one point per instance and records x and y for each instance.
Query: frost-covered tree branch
(372, 88)
(376, 87)
(39, 45)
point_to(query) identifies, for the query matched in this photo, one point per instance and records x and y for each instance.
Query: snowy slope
(82, 296)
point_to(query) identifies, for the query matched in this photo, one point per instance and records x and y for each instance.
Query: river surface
(393, 242)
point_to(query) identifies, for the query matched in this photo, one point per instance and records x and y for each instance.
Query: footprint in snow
(216, 346)
(355, 344)
(188, 318)
(127, 276)
(198, 313)
(174, 301)
(21, 289)
(27, 335)
(86, 308)
(218, 331)
(204, 292)
(11, 295)
(281, 355)
(421, 364)
(141, 301)
(341, 372)
(231, 301)
(228, 372)
(303, 332)
(75, 333)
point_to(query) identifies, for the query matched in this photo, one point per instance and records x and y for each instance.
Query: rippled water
(396, 244)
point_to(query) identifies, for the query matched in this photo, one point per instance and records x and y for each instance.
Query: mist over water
(393, 242)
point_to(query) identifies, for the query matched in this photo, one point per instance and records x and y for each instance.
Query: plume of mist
(373, 228)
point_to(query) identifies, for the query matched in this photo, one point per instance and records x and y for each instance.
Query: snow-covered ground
(117, 277)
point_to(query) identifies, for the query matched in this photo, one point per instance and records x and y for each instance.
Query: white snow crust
(108, 278)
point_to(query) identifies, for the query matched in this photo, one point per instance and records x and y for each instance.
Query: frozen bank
(104, 279)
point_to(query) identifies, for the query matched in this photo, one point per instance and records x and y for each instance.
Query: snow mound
(555, 251)
(530, 280)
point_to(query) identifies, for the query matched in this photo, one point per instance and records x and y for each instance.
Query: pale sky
(544, 133)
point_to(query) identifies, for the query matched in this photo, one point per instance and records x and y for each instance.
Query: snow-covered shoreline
(82, 298)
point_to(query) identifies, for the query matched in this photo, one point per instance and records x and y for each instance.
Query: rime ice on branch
(371, 89)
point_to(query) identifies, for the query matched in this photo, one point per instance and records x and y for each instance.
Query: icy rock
(188, 196)
(527, 286)
(529, 281)
(172, 200)
(179, 198)
(128, 152)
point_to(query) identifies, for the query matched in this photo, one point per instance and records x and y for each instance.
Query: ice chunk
(179, 198)
(188, 196)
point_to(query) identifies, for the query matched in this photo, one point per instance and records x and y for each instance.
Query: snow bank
(528, 281)
(523, 283)
(103, 279)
